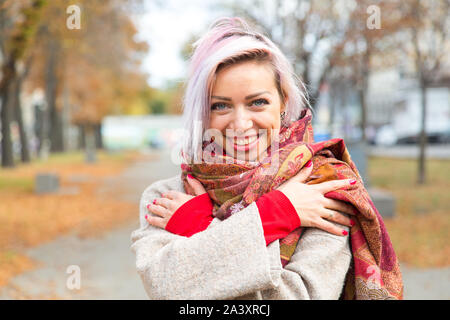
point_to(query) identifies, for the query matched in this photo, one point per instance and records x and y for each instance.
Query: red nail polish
(148, 206)
(352, 222)
(352, 182)
(189, 176)
(308, 164)
(146, 216)
(154, 201)
(344, 232)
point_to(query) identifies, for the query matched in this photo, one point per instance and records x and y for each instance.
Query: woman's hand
(313, 208)
(170, 201)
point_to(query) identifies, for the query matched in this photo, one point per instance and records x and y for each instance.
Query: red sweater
(278, 216)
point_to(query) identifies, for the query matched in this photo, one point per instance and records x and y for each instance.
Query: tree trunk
(315, 94)
(81, 137)
(363, 89)
(19, 41)
(24, 147)
(362, 101)
(6, 115)
(423, 134)
(90, 152)
(37, 126)
(56, 132)
(65, 119)
(6, 94)
(98, 136)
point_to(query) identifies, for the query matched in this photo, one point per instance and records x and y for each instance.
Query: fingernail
(344, 232)
(148, 206)
(189, 176)
(308, 164)
(352, 222)
(352, 182)
(154, 201)
(146, 217)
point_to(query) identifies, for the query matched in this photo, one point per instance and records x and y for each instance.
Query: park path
(106, 262)
(108, 267)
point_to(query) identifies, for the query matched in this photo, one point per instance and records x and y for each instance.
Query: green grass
(11, 181)
(400, 177)
(73, 157)
(16, 184)
(420, 229)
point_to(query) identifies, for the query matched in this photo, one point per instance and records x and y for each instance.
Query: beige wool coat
(230, 259)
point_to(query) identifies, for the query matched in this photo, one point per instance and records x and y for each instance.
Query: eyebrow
(247, 97)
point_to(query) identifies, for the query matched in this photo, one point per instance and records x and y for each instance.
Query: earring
(283, 115)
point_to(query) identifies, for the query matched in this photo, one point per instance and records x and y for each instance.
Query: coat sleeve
(227, 260)
(317, 269)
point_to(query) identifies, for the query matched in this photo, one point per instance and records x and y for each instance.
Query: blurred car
(385, 136)
(444, 137)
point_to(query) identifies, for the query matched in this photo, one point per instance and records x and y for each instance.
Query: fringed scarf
(233, 184)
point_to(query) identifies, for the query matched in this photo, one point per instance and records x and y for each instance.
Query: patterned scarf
(233, 184)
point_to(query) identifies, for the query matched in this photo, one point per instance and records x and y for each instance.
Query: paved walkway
(426, 284)
(108, 267)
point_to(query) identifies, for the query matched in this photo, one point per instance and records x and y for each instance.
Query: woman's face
(245, 108)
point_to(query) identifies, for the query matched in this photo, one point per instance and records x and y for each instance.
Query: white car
(385, 136)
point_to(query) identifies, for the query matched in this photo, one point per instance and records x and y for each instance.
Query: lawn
(420, 229)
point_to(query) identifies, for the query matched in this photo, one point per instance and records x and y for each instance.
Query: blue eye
(260, 102)
(218, 106)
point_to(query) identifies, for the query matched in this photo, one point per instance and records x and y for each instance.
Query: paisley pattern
(234, 184)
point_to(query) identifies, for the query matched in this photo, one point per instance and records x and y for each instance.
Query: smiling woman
(265, 212)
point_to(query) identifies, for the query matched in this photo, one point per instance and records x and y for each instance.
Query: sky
(166, 27)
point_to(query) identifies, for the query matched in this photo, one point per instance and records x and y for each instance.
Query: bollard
(46, 183)
(383, 200)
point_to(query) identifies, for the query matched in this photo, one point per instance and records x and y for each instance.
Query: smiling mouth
(244, 143)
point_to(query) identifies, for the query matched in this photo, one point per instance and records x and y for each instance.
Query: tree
(306, 30)
(88, 72)
(429, 30)
(13, 46)
(363, 44)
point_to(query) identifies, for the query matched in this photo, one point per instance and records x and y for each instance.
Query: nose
(241, 121)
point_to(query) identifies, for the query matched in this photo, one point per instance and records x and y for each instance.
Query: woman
(260, 211)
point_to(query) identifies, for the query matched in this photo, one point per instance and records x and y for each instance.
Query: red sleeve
(278, 215)
(193, 216)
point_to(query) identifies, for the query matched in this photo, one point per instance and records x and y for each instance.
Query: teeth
(245, 141)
